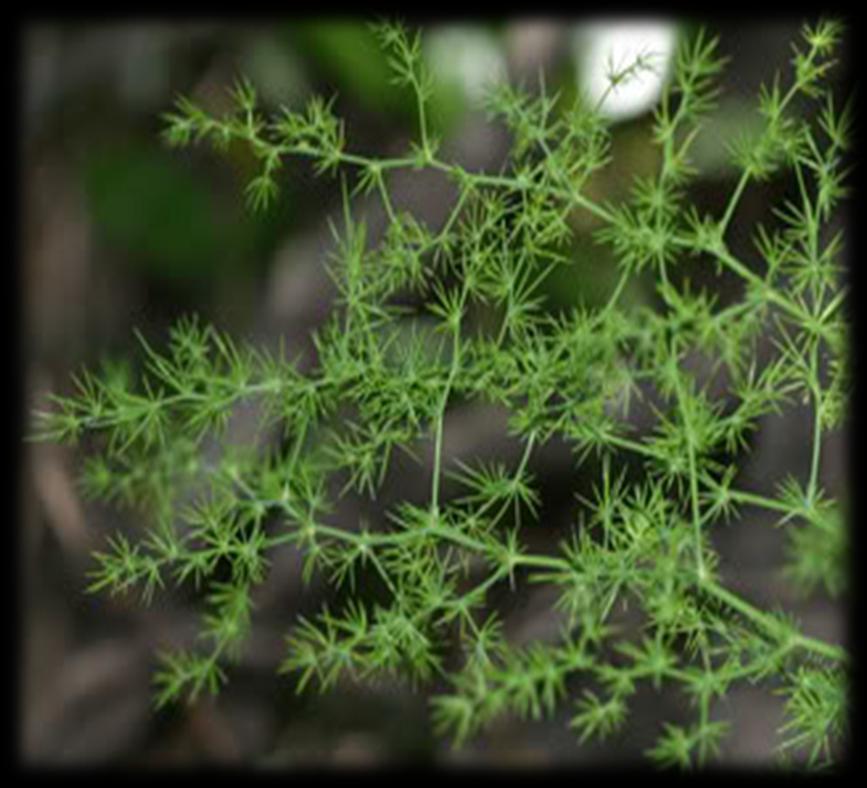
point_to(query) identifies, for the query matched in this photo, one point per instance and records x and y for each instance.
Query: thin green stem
(440, 417)
(693, 471)
(422, 119)
(615, 295)
(385, 197)
(696, 516)
(753, 499)
(813, 486)
(633, 446)
(771, 625)
(735, 265)
(733, 201)
(438, 448)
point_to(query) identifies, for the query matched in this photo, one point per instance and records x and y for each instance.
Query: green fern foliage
(386, 376)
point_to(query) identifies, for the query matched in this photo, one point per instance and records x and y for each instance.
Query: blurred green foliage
(149, 204)
(349, 57)
(166, 220)
(351, 61)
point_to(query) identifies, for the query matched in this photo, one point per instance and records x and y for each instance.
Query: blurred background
(119, 231)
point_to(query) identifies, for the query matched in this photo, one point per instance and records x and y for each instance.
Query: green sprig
(388, 377)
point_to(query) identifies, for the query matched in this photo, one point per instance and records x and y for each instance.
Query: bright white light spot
(622, 66)
(466, 55)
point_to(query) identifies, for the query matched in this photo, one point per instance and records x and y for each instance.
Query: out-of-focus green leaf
(348, 54)
(142, 200)
(352, 60)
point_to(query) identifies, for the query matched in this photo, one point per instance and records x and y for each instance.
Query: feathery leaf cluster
(385, 376)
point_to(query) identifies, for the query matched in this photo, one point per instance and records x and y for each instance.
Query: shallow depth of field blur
(120, 232)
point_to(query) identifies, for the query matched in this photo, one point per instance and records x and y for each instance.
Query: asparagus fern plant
(479, 332)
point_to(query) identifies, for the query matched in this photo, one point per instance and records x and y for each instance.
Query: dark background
(117, 231)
